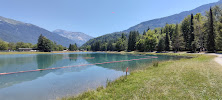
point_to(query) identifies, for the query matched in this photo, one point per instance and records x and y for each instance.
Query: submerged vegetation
(196, 78)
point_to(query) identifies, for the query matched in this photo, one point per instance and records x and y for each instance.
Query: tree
(104, 47)
(44, 44)
(217, 12)
(121, 43)
(133, 38)
(219, 37)
(177, 39)
(21, 45)
(3, 45)
(110, 46)
(198, 30)
(148, 28)
(171, 29)
(191, 39)
(140, 45)
(98, 46)
(60, 48)
(41, 42)
(48, 45)
(11, 46)
(88, 48)
(73, 47)
(35, 46)
(211, 32)
(150, 41)
(123, 37)
(70, 47)
(161, 45)
(55, 47)
(144, 32)
(167, 39)
(185, 27)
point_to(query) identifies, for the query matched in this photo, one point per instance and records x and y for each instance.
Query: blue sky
(93, 17)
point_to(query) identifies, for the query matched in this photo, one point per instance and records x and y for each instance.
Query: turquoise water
(53, 84)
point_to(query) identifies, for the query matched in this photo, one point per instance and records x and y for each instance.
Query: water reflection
(73, 57)
(133, 65)
(50, 83)
(11, 63)
(42, 61)
(45, 61)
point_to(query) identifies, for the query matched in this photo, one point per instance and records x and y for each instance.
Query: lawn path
(218, 59)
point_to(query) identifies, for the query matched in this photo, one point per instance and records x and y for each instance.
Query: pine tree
(44, 44)
(70, 47)
(148, 28)
(98, 46)
(144, 32)
(185, 28)
(170, 30)
(191, 39)
(41, 43)
(177, 42)
(219, 37)
(167, 39)
(211, 32)
(109, 46)
(75, 47)
(160, 46)
(133, 38)
(161, 32)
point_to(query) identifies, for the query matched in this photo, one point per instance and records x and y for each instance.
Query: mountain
(173, 19)
(79, 37)
(104, 38)
(16, 31)
(155, 23)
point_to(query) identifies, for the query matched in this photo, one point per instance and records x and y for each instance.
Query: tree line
(43, 45)
(195, 33)
(15, 46)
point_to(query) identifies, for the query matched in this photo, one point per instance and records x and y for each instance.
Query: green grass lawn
(196, 78)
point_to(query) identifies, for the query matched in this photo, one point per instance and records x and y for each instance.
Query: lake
(53, 76)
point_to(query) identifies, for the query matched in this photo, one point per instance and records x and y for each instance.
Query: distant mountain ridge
(81, 37)
(155, 23)
(173, 19)
(16, 31)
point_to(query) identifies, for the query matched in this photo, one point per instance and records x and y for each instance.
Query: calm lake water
(53, 84)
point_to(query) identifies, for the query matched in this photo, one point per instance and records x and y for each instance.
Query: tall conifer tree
(211, 33)
(191, 39)
(167, 39)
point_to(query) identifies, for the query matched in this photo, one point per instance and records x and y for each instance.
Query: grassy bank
(196, 78)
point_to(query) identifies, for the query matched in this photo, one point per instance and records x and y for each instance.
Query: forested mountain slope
(155, 23)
